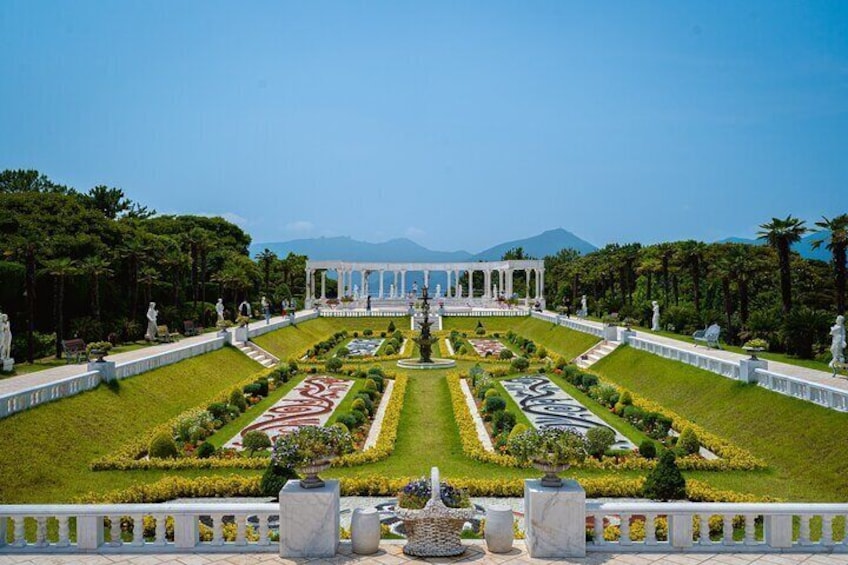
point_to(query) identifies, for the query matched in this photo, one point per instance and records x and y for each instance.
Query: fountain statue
(425, 340)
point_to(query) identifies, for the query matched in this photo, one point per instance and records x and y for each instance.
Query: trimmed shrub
(391, 327)
(333, 365)
(255, 440)
(237, 400)
(367, 332)
(503, 421)
(494, 404)
(359, 404)
(519, 364)
(205, 450)
(518, 429)
(589, 381)
(688, 441)
(162, 446)
(343, 352)
(506, 354)
(252, 389)
(542, 353)
(598, 440)
(359, 416)
(389, 350)
(665, 482)
(274, 479)
(490, 392)
(219, 411)
(348, 419)
(647, 449)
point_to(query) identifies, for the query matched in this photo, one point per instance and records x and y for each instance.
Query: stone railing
(823, 395)
(733, 527)
(729, 369)
(361, 313)
(570, 323)
(257, 328)
(69, 386)
(637, 527)
(138, 366)
(487, 312)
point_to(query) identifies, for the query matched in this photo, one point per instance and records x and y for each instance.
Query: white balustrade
(570, 323)
(122, 528)
(685, 526)
(157, 360)
(360, 313)
(257, 328)
(823, 395)
(723, 367)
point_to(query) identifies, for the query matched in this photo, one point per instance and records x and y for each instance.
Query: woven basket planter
(434, 531)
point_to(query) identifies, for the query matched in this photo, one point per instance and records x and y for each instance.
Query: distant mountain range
(803, 247)
(402, 249)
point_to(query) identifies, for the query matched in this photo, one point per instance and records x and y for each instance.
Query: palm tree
(96, 267)
(60, 269)
(692, 256)
(836, 243)
(781, 234)
(266, 260)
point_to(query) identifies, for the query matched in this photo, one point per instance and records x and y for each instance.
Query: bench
(709, 336)
(164, 335)
(190, 329)
(74, 349)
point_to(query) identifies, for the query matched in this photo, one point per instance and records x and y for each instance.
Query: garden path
(809, 375)
(25, 382)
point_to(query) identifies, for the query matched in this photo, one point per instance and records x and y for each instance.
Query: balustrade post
(555, 519)
(309, 520)
(186, 531)
(777, 530)
(89, 532)
(680, 530)
(138, 530)
(3, 520)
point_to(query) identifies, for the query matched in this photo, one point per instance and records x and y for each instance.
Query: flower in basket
(758, 343)
(551, 450)
(310, 444)
(242, 321)
(416, 494)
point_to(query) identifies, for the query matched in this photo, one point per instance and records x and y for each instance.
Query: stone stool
(365, 531)
(499, 532)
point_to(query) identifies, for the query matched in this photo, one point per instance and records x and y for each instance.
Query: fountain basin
(418, 365)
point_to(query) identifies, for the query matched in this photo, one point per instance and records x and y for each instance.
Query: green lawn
(45, 452)
(802, 443)
(294, 341)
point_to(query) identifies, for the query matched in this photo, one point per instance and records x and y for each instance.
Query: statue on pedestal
(584, 309)
(459, 291)
(356, 292)
(415, 289)
(392, 290)
(266, 310)
(655, 320)
(837, 344)
(219, 309)
(495, 294)
(152, 315)
(438, 291)
(5, 341)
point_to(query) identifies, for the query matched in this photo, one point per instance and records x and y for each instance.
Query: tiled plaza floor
(392, 554)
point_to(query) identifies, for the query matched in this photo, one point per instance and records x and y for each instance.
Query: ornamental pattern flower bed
(487, 347)
(359, 347)
(311, 403)
(546, 405)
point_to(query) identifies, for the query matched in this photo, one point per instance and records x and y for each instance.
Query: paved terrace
(25, 382)
(809, 375)
(391, 553)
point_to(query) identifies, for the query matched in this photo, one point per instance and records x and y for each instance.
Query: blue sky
(459, 125)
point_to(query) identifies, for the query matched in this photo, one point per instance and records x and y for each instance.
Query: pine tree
(665, 482)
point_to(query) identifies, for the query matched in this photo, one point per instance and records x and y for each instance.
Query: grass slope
(45, 452)
(802, 442)
(294, 341)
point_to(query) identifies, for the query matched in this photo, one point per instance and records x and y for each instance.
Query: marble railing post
(309, 520)
(555, 519)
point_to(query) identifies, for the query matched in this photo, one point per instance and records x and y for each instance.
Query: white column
(308, 284)
(487, 280)
(427, 279)
(403, 284)
(470, 284)
(456, 285)
(511, 280)
(448, 285)
(323, 284)
(397, 290)
(527, 287)
(382, 276)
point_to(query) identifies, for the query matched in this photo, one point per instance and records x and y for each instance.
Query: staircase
(595, 354)
(257, 353)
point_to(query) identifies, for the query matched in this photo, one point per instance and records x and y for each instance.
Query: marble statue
(5, 338)
(655, 320)
(459, 291)
(837, 345)
(495, 294)
(219, 309)
(438, 291)
(584, 309)
(152, 315)
(414, 289)
(356, 292)
(392, 290)
(266, 310)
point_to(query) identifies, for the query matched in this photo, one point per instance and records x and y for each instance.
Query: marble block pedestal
(555, 519)
(748, 367)
(8, 365)
(309, 520)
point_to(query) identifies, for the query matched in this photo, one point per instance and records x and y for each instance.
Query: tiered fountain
(425, 344)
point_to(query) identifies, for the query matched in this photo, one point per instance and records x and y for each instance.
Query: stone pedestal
(611, 333)
(555, 519)
(778, 531)
(7, 365)
(365, 531)
(90, 532)
(241, 334)
(747, 369)
(309, 520)
(626, 335)
(499, 528)
(105, 368)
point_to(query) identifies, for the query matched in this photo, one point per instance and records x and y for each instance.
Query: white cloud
(413, 232)
(231, 217)
(300, 226)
